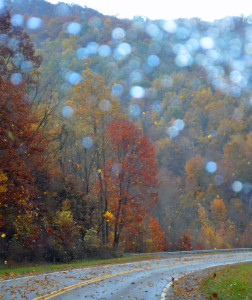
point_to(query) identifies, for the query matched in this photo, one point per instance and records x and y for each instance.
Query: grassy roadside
(37, 268)
(233, 283)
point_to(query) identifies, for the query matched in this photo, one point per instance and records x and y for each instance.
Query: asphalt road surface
(138, 280)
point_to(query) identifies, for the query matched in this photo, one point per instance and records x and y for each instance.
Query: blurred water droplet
(237, 186)
(3, 39)
(34, 23)
(179, 124)
(117, 89)
(17, 20)
(92, 48)
(211, 167)
(13, 44)
(18, 59)
(182, 33)
(16, 78)
(118, 34)
(2, 4)
(169, 26)
(104, 50)
(247, 187)
(184, 60)
(134, 110)
(73, 28)
(172, 132)
(154, 31)
(82, 53)
(87, 142)
(135, 77)
(207, 43)
(124, 49)
(153, 60)
(67, 111)
(157, 106)
(73, 77)
(137, 92)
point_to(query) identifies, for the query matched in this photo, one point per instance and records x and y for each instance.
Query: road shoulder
(188, 286)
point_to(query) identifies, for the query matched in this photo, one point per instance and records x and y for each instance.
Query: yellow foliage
(108, 215)
(218, 209)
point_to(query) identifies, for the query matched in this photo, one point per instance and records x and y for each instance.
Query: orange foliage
(157, 235)
(21, 151)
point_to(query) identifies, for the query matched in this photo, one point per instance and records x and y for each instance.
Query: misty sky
(167, 9)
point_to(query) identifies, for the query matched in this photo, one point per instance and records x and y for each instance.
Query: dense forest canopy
(122, 135)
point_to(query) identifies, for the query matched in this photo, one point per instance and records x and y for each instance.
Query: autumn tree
(21, 163)
(157, 235)
(17, 54)
(94, 108)
(132, 169)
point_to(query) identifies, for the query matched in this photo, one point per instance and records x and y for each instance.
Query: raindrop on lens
(118, 34)
(211, 167)
(135, 77)
(67, 111)
(73, 28)
(157, 106)
(18, 59)
(3, 39)
(207, 43)
(134, 110)
(237, 186)
(247, 187)
(2, 4)
(124, 49)
(92, 48)
(104, 50)
(153, 30)
(153, 60)
(172, 132)
(34, 23)
(16, 78)
(169, 26)
(117, 89)
(82, 53)
(87, 142)
(73, 78)
(179, 124)
(137, 92)
(17, 20)
(183, 60)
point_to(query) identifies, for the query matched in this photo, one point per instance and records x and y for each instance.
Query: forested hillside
(122, 135)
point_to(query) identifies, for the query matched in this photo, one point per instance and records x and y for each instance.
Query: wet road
(138, 280)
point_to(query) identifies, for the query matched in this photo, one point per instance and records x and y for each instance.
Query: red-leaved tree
(21, 162)
(131, 171)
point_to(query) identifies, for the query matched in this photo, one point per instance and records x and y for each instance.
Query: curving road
(139, 280)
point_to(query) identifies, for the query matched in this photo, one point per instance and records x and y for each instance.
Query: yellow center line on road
(80, 284)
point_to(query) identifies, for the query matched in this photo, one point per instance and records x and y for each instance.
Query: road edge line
(165, 290)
